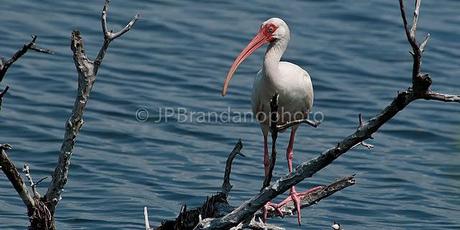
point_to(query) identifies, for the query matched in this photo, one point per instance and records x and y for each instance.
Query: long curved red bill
(259, 40)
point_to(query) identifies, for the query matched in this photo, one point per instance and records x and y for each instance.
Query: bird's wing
(257, 105)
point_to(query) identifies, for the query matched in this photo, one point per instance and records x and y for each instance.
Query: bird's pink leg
(294, 195)
(266, 168)
(290, 149)
(289, 155)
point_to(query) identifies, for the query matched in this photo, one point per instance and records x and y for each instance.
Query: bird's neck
(273, 56)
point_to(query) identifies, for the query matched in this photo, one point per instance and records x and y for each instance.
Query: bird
(292, 84)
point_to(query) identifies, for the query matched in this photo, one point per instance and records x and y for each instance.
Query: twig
(109, 36)
(13, 176)
(441, 97)
(274, 134)
(214, 206)
(26, 171)
(5, 64)
(3, 94)
(226, 186)
(411, 38)
(87, 71)
(289, 124)
(146, 219)
(360, 126)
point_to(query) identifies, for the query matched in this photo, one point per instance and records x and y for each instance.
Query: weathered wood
(87, 72)
(41, 210)
(15, 178)
(5, 64)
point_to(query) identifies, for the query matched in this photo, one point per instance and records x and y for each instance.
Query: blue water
(177, 57)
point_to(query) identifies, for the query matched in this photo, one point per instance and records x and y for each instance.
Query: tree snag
(41, 210)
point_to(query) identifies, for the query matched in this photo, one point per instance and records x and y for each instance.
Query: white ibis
(292, 83)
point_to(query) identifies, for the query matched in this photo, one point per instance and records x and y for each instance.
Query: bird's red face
(264, 36)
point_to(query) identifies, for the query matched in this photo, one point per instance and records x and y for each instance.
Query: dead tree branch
(87, 71)
(41, 210)
(5, 64)
(274, 132)
(419, 90)
(289, 124)
(15, 178)
(226, 186)
(214, 206)
(315, 196)
(146, 219)
(441, 97)
(3, 94)
(218, 206)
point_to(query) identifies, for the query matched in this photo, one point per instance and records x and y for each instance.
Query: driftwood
(249, 210)
(41, 209)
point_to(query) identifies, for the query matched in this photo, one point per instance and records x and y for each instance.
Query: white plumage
(292, 83)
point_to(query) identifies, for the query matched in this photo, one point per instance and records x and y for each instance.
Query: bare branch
(13, 176)
(274, 131)
(405, 24)
(126, 28)
(109, 36)
(214, 206)
(105, 30)
(413, 29)
(3, 94)
(441, 97)
(425, 42)
(226, 186)
(26, 170)
(87, 71)
(308, 169)
(146, 219)
(361, 124)
(85, 83)
(410, 34)
(5, 64)
(289, 124)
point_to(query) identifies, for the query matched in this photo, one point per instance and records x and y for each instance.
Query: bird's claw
(295, 197)
(271, 206)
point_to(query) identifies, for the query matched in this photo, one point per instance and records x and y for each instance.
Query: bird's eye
(271, 29)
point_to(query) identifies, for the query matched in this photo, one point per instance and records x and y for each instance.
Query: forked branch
(5, 64)
(87, 71)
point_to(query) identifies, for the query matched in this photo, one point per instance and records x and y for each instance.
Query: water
(177, 56)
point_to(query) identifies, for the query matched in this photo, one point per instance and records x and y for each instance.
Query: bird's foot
(271, 206)
(296, 198)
